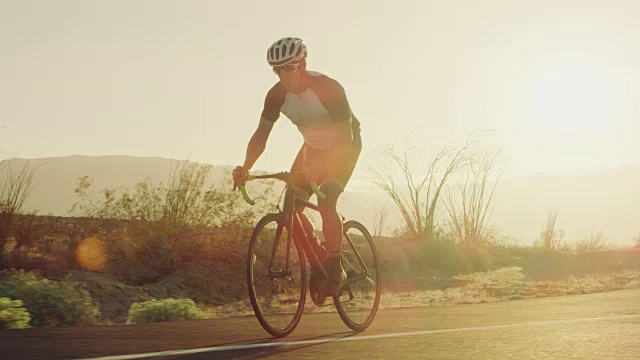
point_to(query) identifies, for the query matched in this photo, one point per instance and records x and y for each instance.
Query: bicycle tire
(355, 319)
(259, 256)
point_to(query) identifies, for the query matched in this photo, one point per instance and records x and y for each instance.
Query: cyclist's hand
(240, 175)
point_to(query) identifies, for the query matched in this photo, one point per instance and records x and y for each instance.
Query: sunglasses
(286, 69)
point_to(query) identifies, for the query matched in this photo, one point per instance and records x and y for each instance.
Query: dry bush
(48, 243)
(414, 184)
(379, 220)
(470, 205)
(552, 238)
(170, 226)
(15, 187)
(592, 242)
(185, 200)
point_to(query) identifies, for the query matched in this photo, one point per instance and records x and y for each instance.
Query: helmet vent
(286, 50)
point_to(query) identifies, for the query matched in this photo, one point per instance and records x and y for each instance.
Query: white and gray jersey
(321, 112)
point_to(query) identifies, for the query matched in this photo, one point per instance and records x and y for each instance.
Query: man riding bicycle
(318, 106)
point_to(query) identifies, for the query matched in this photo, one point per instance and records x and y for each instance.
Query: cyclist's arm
(344, 134)
(270, 113)
(334, 98)
(257, 143)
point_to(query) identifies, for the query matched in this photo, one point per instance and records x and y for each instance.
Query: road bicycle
(277, 269)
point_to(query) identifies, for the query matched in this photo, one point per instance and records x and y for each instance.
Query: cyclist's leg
(332, 229)
(331, 222)
(340, 165)
(304, 219)
(304, 192)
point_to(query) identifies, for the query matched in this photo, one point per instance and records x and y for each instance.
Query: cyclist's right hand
(240, 175)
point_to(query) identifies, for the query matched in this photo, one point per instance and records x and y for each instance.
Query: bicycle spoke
(277, 278)
(359, 303)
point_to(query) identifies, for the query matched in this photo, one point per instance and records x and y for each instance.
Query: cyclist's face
(291, 80)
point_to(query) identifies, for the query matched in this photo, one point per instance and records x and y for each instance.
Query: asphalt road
(595, 326)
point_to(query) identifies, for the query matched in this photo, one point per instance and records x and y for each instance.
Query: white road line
(352, 338)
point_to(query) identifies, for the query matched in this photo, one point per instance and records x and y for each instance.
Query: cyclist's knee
(327, 207)
(329, 204)
(300, 193)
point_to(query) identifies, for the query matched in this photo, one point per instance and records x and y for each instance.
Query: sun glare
(573, 100)
(91, 254)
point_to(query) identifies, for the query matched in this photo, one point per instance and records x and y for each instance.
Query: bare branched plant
(379, 220)
(592, 242)
(15, 187)
(551, 237)
(415, 185)
(469, 203)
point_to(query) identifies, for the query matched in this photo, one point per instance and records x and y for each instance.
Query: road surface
(595, 326)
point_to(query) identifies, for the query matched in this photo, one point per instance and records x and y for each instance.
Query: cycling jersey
(321, 112)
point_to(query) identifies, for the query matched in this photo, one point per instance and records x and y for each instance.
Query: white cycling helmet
(285, 51)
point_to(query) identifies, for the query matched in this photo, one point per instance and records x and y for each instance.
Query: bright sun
(573, 100)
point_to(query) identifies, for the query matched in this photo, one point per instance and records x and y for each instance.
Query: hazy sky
(557, 82)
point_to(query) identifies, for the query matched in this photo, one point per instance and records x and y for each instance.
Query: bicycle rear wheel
(276, 276)
(360, 297)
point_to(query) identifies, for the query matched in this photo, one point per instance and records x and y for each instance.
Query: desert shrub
(43, 242)
(592, 242)
(441, 254)
(140, 252)
(478, 258)
(165, 220)
(444, 254)
(184, 200)
(447, 256)
(510, 255)
(50, 303)
(552, 264)
(16, 183)
(551, 237)
(163, 310)
(13, 315)
(518, 251)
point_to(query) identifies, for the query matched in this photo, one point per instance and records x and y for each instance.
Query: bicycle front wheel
(360, 297)
(276, 275)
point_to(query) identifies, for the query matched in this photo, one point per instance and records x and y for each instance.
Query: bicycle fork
(274, 274)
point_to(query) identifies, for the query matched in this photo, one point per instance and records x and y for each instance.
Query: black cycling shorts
(339, 163)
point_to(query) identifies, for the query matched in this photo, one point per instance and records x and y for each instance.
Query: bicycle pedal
(351, 297)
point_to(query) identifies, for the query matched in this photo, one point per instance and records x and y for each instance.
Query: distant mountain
(584, 200)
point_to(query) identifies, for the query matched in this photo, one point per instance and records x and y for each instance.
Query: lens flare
(90, 254)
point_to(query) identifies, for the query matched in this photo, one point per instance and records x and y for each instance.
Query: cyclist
(318, 106)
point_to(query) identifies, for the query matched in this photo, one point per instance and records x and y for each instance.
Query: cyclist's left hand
(240, 175)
